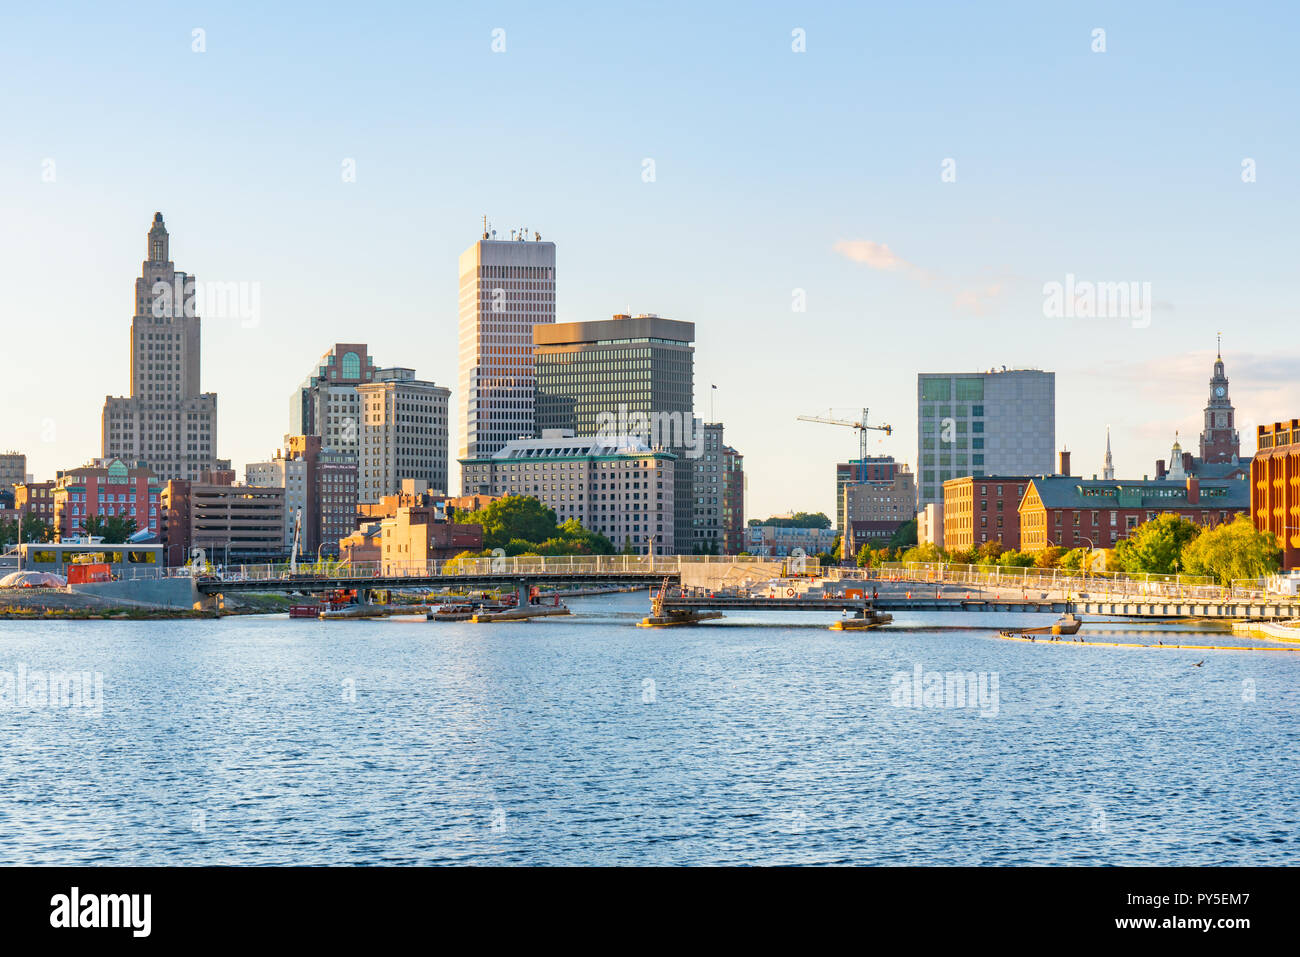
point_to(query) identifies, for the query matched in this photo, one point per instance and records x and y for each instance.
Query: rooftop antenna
(485, 229)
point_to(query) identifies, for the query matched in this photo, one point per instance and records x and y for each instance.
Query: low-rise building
(1071, 512)
(35, 498)
(230, 523)
(779, 541)
(983, 509)
(417, 535)
(619, 487)
(929, 525)
(1275, 486)
(106, 488)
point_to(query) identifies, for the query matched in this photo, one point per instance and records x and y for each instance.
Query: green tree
(864, 556)
(584, 540)
(797, 520)
(927, 552)
(1014, 559)
(989, 552)
(963, 556)
(113, 529)
(512, 517)
(1073, 559)
(1232, 551)
(904, 536)
(1156, 546)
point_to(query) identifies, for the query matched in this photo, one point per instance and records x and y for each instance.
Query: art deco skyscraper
(506, 288)
(167, 422)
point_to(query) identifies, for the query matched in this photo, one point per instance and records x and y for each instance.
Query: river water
(760, 739)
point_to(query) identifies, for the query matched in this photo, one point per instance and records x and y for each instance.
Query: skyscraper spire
(1108, 469)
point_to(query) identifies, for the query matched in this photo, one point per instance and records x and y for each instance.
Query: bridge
(714, 583)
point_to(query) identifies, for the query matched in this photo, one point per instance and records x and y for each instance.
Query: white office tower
(507, 286)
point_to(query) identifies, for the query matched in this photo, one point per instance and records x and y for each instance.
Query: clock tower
(1219, 439)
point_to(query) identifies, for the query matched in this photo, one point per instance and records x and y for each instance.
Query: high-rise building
(733, 501)
(167, 422)
(619, 487)
(1000, 422)
(403, 433)
(506, 288)
(629, 375)
(327, 403)
(708, 525)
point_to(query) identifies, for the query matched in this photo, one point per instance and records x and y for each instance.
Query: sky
(890, 200)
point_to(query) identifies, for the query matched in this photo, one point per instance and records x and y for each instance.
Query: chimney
(1064, 467)
(1193, 490)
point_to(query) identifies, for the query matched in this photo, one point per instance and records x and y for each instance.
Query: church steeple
(1108, 469)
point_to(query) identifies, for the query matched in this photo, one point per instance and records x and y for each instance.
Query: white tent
(33, 580)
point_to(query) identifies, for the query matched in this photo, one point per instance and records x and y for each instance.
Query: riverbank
(34, 604)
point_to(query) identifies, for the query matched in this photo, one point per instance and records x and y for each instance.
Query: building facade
(403, 433)
(168, 422)
(622, 489)
(929, 525)
(13, 469)
(102, 489)
(506, 288)
(230, 523)
(779, 541)
(874, 468)
(320, 487)
(993, 423)
(733, 501)
(1070, 512)
(876, 508)
(327, 403)
(629, 376)
(1275, 486)
(980, 510)
(419, 534)
(36, 498)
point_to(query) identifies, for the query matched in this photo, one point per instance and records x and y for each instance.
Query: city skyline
(374, 259)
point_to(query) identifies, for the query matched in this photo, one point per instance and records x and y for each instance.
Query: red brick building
(104, 488)
(983, 509)
(1071, 512)
(35, 498)
(1275, 486)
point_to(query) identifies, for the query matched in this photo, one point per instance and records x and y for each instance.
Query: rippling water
(752, 740)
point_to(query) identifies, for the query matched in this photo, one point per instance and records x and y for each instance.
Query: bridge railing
(1104, 586)
(504, 566)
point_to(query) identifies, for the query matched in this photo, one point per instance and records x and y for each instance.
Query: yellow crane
(862, 427)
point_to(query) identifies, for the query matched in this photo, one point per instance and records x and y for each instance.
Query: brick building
(1275, 486)
(984, 509)
(1071, 512)
(105, 488)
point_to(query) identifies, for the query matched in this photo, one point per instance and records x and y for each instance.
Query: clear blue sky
(1115, 166)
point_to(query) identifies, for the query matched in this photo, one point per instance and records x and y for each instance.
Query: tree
(1049, 557)
(1156, 546)
(904, 536)
(927, 552)
(989, 552)
(1232, 551)
(1073, 559)
(35, 529)
(512, 517)
(797, 520)
(864, 556)
(1014, 559)
(113, 529)
(963, 556)
(584, 540)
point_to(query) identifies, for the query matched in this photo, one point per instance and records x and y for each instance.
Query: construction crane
(862, 427)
